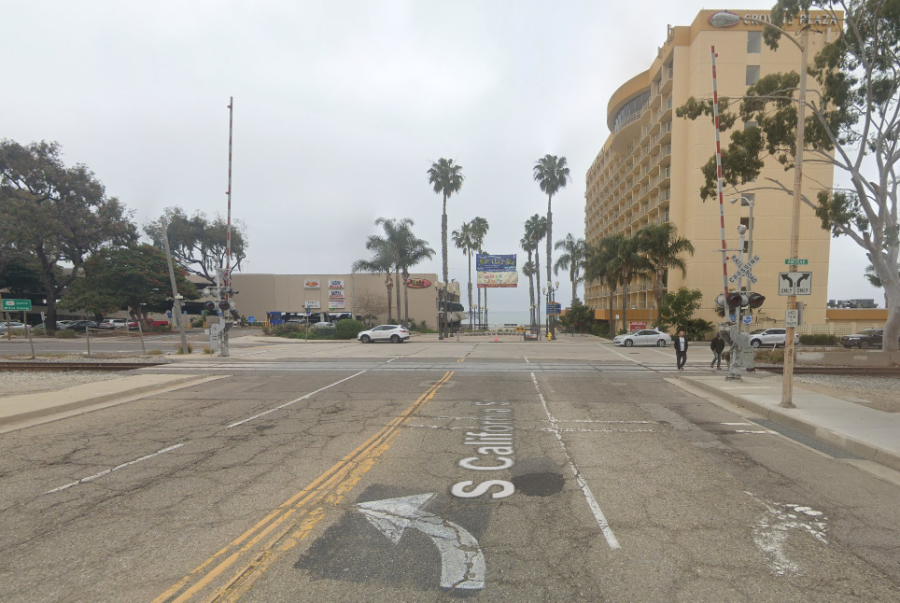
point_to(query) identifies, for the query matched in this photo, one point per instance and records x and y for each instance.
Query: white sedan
(392, 333)
(644, 337)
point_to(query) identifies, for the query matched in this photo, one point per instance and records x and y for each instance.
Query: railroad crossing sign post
(745, 269)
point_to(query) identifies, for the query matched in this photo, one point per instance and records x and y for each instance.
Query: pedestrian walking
(717, 345)
(681, 346)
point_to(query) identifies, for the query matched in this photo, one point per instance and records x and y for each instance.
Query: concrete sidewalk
(29, 408)
(870, 434)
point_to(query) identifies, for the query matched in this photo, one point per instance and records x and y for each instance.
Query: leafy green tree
(663, 248)
(572, 260)
(677, 313)
(464, 240)
(535, 231)
(396, 234)
(551, 173)
(446, 179)
(578, 317)
(851, 124)
(51, 215)
(197, 242)
(873, 279)
(414, 251)
(127, 277)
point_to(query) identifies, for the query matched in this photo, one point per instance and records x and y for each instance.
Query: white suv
(770, 337)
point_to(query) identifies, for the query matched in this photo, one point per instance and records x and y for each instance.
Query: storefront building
(649, 169)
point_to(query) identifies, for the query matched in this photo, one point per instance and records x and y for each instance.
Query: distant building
(649, 169)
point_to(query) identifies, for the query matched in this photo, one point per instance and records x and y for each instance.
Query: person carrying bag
(717, 345)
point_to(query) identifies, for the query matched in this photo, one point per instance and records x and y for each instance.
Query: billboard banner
(311, 284)
(335, 284)
(335, 304)
(336, 294)
(313, 304)
(496, 271)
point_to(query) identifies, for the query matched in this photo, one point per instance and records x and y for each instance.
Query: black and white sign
(791, 318)
(745, 269)
(313, 304)
(795, 283)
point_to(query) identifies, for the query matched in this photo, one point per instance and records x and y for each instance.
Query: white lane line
(574, 430)
(116, 468)
(735, 423)
(309, 395)
(526, 359)
(623, 356)
(591, 501)
(253, 354)
(666, 354)
(749, 431)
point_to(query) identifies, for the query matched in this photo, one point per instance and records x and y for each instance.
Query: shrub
(770, 356)
(208, 350)
(178, 349)
(348, 329)
(155, 353)
(161, 329)
(198, 322)
(819, 339)
(66, 334)
(38, 332)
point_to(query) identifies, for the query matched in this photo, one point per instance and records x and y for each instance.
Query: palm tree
(528, 270)
(535, 231)
(462, 238)
(381, 263)
(598, 267)
(627, 263)
(446, 178)
(415, 251)
(552, 174)
(396, 233)
(662, 247)
(572, 260)
(480, 228)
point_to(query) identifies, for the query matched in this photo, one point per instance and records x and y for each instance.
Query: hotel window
(754, 42)
(752, 74)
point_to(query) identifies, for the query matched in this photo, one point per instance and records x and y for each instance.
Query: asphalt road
(565, 471)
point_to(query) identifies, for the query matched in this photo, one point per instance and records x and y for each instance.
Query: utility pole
(223, 350)
(177, 316)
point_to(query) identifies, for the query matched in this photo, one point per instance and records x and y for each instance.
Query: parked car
(870, 338)
(117, 323)
(392, 333)
(158, 323)
(80, 325)
(644, 337)
(770, 337)
(13, 326)
(340, 316)
(325, 324)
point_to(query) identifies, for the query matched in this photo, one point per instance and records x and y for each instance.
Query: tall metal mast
(224, 350)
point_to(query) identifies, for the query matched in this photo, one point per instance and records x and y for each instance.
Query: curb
(43, 412)
(861, 449)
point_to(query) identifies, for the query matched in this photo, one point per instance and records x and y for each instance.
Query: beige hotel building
(648, 171)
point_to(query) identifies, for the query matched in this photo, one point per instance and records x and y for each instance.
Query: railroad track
(77, 366)
(874, 371)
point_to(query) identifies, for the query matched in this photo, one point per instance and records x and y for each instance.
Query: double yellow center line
(249, 555)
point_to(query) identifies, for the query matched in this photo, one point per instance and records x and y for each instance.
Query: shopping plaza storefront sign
(723, 19)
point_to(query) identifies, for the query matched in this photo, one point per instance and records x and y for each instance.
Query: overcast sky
(340, 108)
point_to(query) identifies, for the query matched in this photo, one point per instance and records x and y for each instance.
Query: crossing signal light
(737, 299)
(720, 301)
(224, 306)
(756, 300)
(210, 306)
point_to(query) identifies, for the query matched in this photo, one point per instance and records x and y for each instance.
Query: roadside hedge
(820, 339)
(348, 329)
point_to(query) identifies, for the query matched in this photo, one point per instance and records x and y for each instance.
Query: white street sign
(791, 318)
(795, 283)
(462, 562)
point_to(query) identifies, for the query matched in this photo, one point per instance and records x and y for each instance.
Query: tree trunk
(549, 257)
(444, 239)
(397, 283)
(574, 279)
(469, 254)
(405, 298)
(537, 288)
(892, 326)
(612, 322)
(659, 294)
(531, 295)
(387, 284)
(625, 306)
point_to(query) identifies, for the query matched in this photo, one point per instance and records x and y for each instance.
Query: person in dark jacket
(717, 345)
(681, 345)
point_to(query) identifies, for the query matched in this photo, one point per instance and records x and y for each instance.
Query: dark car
(80, 325)
(870, 338)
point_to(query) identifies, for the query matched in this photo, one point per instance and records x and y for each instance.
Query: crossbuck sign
(745, 269)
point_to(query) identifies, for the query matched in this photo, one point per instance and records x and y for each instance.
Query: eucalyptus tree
(852, 123)
(53, 215)
(662, 247)
(480, 229)
(535, 231)
(875, 281)
(464, 240)
(572, 260)
(446, 178)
